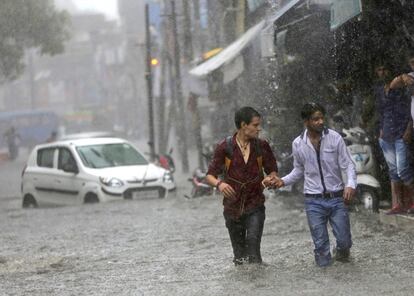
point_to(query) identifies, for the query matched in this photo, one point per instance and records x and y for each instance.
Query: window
(45, 157)
(110, 155)
(65, 158)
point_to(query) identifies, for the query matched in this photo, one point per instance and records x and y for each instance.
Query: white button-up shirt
(334, 158)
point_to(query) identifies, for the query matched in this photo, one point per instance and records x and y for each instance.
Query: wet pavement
(179, 246)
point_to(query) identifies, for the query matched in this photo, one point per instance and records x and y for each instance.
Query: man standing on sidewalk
(320, 155)
(241, 159)
(397, 150)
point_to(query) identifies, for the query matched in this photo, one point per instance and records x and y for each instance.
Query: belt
(326, 194)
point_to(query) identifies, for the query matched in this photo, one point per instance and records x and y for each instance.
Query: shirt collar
(304, 135)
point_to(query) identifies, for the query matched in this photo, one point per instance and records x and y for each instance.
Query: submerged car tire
(367, 200)
(29, 201)
(91, 198)
(161, 193)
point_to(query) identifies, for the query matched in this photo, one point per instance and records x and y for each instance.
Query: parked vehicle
(166, 161)
(368, 187)
(200, 185)
(91, 170)
(198, 179)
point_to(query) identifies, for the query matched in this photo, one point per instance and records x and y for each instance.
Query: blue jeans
(396, 155)
(319, 211)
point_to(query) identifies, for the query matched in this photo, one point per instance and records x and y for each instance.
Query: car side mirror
(70, 167)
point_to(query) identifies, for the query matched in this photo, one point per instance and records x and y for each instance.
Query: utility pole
(148, 76)
(162, 143)
(240, 17)
(31, 80)
(197, 28)
(182, 131)
(188, 42)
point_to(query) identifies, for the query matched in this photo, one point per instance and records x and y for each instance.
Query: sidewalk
(400, 221)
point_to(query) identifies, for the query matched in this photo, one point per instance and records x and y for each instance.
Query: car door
(68, 185)
(43, 174)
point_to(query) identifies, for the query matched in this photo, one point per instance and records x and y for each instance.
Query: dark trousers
(246, 235)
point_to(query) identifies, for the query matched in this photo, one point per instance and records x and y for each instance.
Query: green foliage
(29, 24)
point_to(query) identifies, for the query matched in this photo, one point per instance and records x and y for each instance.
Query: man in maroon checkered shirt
(243, 183)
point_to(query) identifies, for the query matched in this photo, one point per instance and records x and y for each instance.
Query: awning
(285, 8)
(228, 55)
(267, 38)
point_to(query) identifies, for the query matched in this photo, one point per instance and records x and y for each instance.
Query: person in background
(395, 132)
(401, 82)
(319, 156)
(12, 136)
(241, 159)
(52, 137)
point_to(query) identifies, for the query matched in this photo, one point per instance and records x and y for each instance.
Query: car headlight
(111, 182)
(167, 178)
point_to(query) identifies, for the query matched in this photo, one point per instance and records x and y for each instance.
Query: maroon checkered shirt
(249, 196)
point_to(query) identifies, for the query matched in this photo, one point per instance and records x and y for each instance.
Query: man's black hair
(309, 108)
(245, 114)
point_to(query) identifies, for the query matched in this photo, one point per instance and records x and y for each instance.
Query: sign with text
(344, 10)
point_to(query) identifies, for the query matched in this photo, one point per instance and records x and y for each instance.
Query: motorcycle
(166, 161)
(198, 179)
(368, 187)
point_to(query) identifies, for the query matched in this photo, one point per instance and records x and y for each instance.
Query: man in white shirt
(320, 154)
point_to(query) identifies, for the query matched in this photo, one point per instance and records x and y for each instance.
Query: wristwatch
(218, 184)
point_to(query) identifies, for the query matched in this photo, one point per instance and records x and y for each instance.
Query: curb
(404, 222)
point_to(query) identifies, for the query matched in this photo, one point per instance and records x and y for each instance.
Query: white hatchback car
(90, 170)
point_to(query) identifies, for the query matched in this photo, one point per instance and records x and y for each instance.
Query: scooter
(368, 187)
(166, 161)
(200, 186)
(198, 179)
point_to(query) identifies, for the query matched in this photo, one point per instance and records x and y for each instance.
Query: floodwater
(177, 246)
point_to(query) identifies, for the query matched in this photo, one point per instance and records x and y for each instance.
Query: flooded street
(177, 246)
(307, 89)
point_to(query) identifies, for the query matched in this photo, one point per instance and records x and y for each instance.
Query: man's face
(252, 129)
(316, 122)
(382, 72)
(411, 63)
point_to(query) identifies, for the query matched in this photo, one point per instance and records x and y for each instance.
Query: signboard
(344, 10)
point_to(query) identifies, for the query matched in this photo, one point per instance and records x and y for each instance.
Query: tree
(29, 24)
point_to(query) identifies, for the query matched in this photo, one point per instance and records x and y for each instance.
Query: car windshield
(110, 155)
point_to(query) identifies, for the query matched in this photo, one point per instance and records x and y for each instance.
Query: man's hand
(268, 181)
(273, 181)
(227, 190)
(408, 133)
(279, 183)
(407, 79)
(349, 194)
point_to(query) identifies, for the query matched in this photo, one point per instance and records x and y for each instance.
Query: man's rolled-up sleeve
(298, 169)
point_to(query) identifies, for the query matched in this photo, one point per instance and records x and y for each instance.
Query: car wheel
(91, 198)
(367, 200)
(29, 201)
(161, 193)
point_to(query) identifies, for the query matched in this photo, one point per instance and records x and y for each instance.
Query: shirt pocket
(329, 155)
